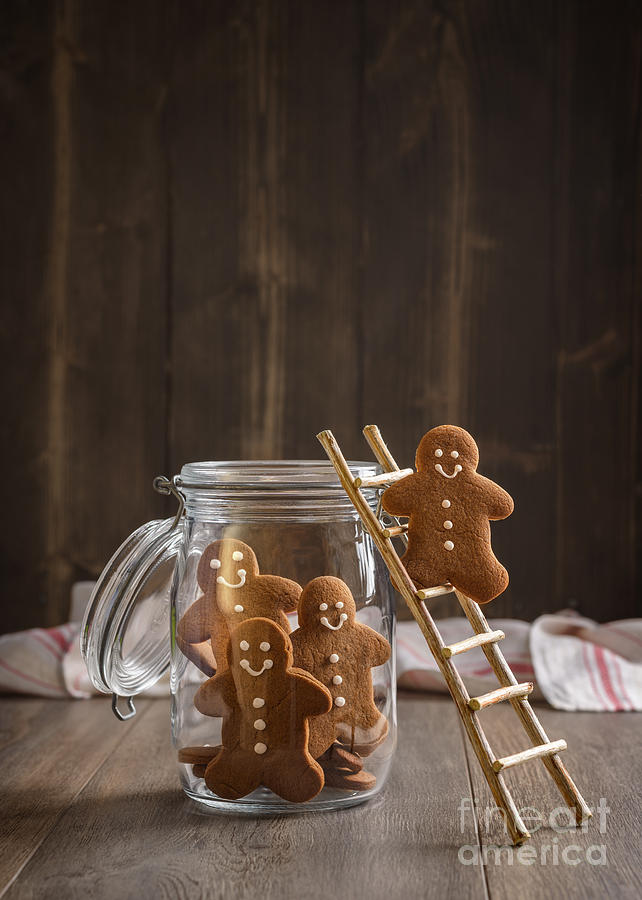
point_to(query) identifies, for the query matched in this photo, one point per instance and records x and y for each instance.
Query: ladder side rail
(456, 686)
(531, 724)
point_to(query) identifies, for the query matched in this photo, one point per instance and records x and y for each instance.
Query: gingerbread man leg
(483, 584)
(231, 775)
(322, 734)
(294, 776)
(425, 573)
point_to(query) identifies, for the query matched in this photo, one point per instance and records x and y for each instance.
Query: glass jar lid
(125, 633)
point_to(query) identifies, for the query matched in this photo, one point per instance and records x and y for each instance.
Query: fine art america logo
(550, 852)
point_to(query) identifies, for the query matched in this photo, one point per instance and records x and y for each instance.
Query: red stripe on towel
(598, 652)
(32, 678)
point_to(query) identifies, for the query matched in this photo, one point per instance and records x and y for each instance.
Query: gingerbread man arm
(499, 504)
(194, 627)
(399, 498)
(313, 698)
(378, 647)
(285, 593)
(216, 696)
(192, 633)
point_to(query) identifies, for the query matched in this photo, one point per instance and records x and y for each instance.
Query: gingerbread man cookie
(339, 652)
(266, 705)
(450, 508)
(233, 591)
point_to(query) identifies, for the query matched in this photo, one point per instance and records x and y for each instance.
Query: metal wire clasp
(163, 485)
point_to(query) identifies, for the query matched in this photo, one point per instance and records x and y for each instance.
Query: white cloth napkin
(576, 664)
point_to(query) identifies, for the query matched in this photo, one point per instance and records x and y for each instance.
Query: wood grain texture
(265, 228)
(228, 225)
(113, 322)
(602, 761)
(49, 750)
(26, 134)
(598, 363)
(141, 838)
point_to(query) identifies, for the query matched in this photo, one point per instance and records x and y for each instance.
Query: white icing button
(258, 702)
(244, 645)
(439, 453)
(237, 555)
(259, 724)
(337, 679)
(454, 454)
(215, 563)
(445, 504)
(339, 605)
(448, 524)
(339, 701)
(264, 646)
(449, 545)
(239, 608)
(334, 657)
(260, 747)
(323, 606)
(268, 664)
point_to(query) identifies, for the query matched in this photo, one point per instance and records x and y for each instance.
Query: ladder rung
(477, 640)
(389, 531)
(502, 693)
(532, 753)
(428, 593)
(384, 478)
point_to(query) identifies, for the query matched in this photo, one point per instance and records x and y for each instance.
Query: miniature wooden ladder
(484, 637)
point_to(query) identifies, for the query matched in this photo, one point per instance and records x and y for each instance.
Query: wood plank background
(227, 225)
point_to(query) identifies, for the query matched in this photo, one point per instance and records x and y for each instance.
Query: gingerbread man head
(326, 603)
(447, 450)
(258, 652)
(227, 563)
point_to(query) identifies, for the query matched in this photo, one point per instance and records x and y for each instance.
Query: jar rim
(270, 474)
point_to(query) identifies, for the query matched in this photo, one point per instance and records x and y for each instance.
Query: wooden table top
(93, 808)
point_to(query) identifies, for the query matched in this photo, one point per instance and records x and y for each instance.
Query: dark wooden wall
(227, 225)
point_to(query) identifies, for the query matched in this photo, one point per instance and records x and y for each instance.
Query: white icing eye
(237, 555)
(244, 645)
(264, 646)
(241, 572)
(339, 605)
(454, 454)
(215, 563)
(268, 664)
(439, 453)
(323, 606)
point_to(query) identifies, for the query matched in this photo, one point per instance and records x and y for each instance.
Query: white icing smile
(241, 573)
(245, 664)
(441, 472)
(342, 618)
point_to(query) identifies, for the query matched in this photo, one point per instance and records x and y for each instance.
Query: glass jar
(223, 579)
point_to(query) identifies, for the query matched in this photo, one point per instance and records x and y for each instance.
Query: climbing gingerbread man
(233, 591)
(266, 705)
(450, 508)
(340, 652)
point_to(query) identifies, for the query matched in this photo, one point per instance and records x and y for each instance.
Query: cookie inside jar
(282, 674)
